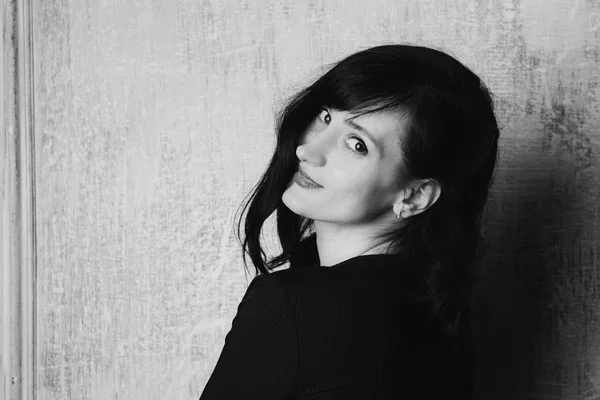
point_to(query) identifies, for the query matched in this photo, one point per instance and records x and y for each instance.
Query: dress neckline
(364, 260)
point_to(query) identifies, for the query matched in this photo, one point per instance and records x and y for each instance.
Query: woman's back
(355, 330)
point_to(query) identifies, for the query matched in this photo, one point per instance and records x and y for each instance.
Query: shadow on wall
(534, 302)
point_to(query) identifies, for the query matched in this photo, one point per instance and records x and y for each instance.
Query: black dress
(349, 331)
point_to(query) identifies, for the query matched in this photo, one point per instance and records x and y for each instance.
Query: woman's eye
(326, 118)
(364, 150)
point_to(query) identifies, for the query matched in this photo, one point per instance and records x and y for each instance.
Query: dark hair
(451, 137)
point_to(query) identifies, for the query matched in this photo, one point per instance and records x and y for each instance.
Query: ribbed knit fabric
(349, 331)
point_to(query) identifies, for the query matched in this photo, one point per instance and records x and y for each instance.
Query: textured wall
(154, 118)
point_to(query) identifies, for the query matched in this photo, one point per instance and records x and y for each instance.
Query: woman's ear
(419, 198)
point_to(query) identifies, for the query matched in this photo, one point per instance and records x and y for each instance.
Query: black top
(349, 331)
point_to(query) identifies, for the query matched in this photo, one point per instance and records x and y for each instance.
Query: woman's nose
(315, 149)
(311, 153)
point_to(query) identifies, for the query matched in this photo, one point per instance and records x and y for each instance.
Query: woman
(379, 179)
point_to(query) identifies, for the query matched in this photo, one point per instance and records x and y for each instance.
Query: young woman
(379, 178)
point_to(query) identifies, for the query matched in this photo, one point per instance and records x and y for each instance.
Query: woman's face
(356, 162)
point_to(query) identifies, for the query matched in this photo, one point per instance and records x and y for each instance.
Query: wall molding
(26, 125)
(17, 203)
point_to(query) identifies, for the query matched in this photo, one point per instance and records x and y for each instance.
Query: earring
(399, 212)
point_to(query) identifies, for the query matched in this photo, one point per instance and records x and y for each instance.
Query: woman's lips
(305, 176)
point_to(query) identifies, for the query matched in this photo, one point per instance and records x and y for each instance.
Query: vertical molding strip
(26, 182)
(17, 203)
(10, 233)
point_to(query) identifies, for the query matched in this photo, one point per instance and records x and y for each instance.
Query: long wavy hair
(451, 137)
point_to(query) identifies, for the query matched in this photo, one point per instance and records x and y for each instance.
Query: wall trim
(17, 203)
(26, 125)
(7, 200)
